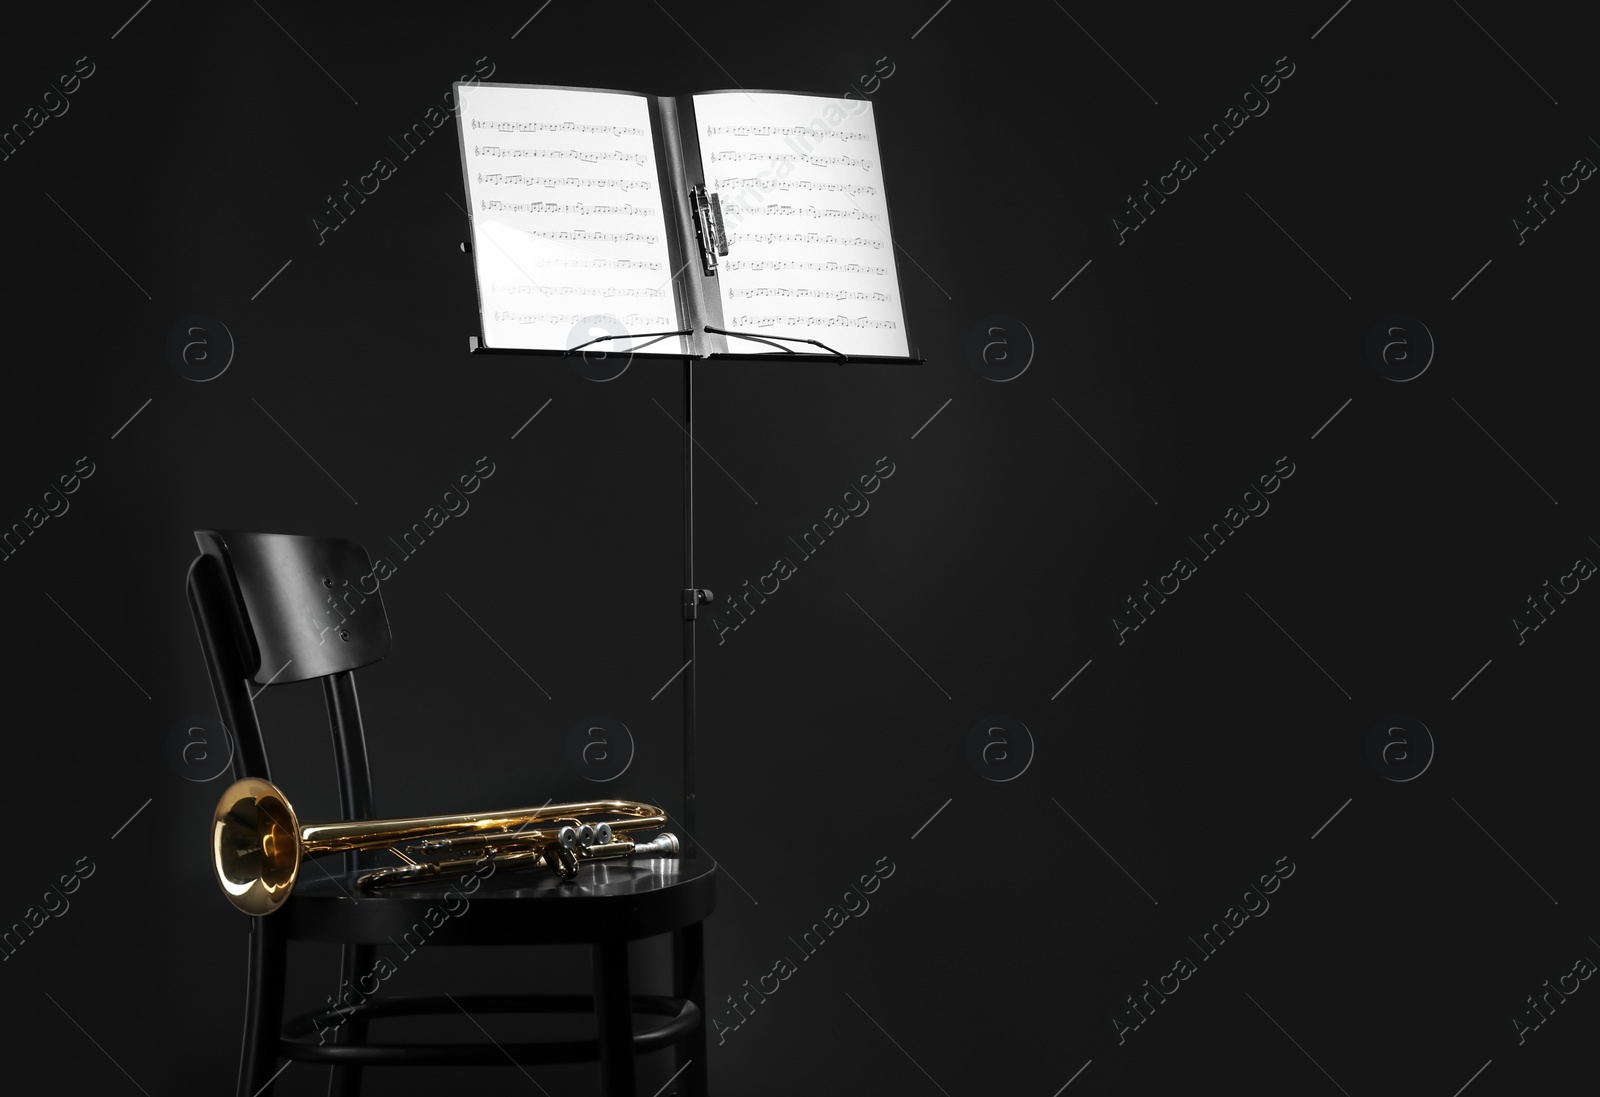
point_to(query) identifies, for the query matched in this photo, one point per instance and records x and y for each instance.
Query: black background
(1176, 368)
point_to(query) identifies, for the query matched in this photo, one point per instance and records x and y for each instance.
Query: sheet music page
(569, 235)
(809, 253)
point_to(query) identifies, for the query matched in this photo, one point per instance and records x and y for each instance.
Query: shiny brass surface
(257, 842)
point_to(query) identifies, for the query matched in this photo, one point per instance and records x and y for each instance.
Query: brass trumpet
(257, 842)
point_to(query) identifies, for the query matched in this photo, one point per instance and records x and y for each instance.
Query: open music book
(601, 213)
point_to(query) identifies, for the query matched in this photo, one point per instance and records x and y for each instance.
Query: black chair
(273, 609)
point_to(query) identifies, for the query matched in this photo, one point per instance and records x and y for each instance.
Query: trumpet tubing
(562, 861)
(258, 843)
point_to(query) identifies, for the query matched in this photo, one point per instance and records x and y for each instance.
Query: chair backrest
(274, 608)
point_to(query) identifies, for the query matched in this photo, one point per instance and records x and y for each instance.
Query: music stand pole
(692, 597)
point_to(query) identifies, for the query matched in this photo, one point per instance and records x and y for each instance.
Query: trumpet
(258, 843)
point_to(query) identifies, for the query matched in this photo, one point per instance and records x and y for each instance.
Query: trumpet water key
(258, 843)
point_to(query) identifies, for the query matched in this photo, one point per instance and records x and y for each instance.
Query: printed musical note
(780, 131)
(562, 181)
(585, 234)
(733, 211)
(561, 154)
(811, 322)
(546, 127)
(566, 207)
(597, 264)
(815, 161)
(791, 264)
(764, 185)
(803, 238)
(829, 294)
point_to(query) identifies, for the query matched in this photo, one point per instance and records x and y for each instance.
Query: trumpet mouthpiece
(664, 844)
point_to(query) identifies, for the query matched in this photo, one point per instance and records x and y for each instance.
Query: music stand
(695, 228)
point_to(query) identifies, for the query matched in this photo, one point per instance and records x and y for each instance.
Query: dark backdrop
(1092, 399)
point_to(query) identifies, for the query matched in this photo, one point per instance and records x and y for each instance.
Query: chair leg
(614, 1012)
(689, 981)
(359, 960)
(263, 1011)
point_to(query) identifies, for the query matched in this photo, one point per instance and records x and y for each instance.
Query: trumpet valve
(561, 860)
(571, 833)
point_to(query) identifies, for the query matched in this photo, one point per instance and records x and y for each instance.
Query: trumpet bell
(255, 846)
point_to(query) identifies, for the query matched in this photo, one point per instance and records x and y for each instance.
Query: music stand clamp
(708, 227)
(693, 599)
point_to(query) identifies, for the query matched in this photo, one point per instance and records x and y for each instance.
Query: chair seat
(616, 900)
